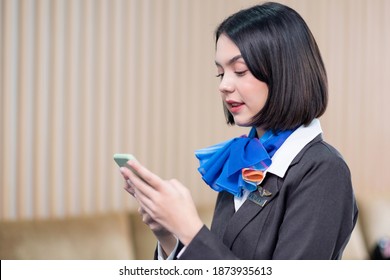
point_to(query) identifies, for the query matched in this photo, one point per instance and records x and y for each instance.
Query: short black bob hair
(279, 49)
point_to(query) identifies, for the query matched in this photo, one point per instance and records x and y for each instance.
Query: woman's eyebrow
(231, 61)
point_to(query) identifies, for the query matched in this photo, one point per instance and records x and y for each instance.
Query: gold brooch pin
(263, 192)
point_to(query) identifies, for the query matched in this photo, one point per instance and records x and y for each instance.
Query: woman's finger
(144, 174)
(130, 190)
(145, 201)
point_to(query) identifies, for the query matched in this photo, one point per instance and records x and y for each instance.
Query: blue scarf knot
(222, 165)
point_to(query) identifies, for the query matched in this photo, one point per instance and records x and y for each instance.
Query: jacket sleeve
(207, 246)
(321, 211)
(204, 246)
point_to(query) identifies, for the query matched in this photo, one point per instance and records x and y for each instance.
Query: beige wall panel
(82, 80)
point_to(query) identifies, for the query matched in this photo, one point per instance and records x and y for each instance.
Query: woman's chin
(242, 123)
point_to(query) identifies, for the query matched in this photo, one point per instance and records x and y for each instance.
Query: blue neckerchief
(221, 164)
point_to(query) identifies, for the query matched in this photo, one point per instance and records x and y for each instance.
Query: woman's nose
(226, 86)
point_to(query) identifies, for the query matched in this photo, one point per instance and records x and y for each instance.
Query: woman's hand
(157, 229)
(167, 202)
(167, 239)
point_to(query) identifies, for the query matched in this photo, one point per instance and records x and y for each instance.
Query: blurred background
(81, 80)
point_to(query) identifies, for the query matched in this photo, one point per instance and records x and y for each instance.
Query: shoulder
(319, 152)
(319, 166)
(320, 175)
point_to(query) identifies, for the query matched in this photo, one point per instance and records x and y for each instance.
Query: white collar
(292, 146)
(286, 153)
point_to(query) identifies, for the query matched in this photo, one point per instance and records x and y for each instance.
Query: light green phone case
(122, 159)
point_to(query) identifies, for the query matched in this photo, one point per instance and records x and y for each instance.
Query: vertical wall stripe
(2, 193)
(26, 102)
(9, 108)
(41, 118)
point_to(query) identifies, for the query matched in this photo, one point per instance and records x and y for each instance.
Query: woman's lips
(234, 107)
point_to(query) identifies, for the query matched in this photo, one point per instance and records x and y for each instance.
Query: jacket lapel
(224, 210)
(255, 203)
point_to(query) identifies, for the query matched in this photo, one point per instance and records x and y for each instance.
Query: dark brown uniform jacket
(310, 214)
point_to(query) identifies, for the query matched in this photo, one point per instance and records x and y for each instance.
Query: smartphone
(122, 159)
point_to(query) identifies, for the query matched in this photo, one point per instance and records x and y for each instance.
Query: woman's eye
(241, 73)
(219, 75)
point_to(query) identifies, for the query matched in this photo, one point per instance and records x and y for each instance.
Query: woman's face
(243, 95)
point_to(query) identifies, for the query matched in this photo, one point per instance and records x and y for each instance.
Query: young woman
(284, 193)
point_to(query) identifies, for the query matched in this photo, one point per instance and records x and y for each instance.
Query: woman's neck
(260, 132)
